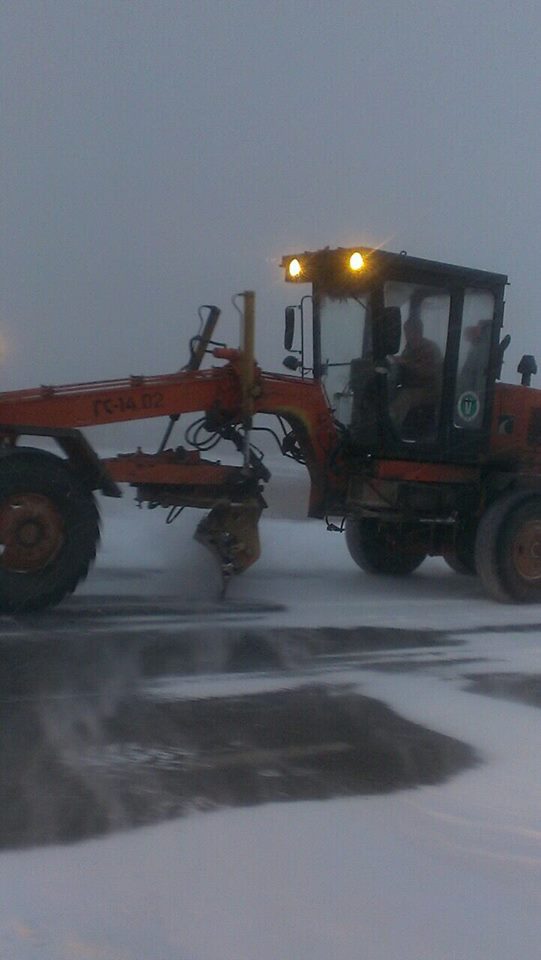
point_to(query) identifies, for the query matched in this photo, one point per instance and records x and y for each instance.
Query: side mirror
(387, 332)
(289, 332)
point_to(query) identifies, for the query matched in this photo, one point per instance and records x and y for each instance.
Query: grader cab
(391, 399)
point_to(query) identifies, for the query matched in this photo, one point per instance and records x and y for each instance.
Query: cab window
(415, 377)
(473, 358)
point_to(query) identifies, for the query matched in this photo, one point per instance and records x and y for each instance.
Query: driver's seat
(420, 423)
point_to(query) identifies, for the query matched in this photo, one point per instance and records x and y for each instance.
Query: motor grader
(445, 465)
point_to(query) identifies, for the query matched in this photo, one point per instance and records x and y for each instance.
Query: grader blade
(230, 532)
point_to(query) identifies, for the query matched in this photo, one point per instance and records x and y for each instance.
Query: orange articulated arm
(303, 404)
(114, 401)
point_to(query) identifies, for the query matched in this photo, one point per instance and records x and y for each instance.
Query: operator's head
(413, 328)
(478, 333)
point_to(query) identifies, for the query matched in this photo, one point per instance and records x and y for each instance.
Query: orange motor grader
(391, 399)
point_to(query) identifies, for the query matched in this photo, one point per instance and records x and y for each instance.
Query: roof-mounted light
(356, 261)
(294, 268)
(345, 267)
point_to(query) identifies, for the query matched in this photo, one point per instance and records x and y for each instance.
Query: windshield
(344, 337)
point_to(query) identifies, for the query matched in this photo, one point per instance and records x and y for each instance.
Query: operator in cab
(418, 371)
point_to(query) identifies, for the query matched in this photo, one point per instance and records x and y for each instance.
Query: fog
(163, 153)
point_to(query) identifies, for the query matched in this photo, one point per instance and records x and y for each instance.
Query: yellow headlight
(294, 268)
(356, 261)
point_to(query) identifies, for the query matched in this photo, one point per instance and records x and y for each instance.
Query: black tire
(508, 549)
(459, 554)
(49, 530)
(388, 548)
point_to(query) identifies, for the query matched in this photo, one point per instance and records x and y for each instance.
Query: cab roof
(321, 265)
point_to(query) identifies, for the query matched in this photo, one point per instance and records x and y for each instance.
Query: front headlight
(294, 269)
(356, 261)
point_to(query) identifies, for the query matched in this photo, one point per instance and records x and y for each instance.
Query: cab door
(440, 382)
(419, 371)
(477, 367)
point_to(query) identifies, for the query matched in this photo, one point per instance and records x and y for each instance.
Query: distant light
(294, 268)
(356, 261)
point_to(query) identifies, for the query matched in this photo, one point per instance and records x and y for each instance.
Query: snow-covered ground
(449, 872)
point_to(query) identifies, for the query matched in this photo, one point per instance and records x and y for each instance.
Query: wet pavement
(113, 716)
(523, 688)
(121, 712)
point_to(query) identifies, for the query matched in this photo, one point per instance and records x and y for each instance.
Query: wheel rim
(527, 551)
(31, 533)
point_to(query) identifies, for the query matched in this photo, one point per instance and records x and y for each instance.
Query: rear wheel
(49, 529)
(459, 554)
(390, 548)
(508, 549)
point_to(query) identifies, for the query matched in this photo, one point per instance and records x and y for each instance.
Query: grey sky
(162, 153)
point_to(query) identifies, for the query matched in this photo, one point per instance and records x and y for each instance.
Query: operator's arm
(421, 364)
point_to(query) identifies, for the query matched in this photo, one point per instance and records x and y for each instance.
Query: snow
(448, 872)
(433, 873)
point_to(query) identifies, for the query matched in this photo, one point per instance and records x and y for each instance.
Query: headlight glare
(294, 268)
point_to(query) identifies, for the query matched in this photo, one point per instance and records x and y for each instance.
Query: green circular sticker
(468, 406)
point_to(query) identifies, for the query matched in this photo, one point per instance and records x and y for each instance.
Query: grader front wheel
(31, 532)
(49, 528)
